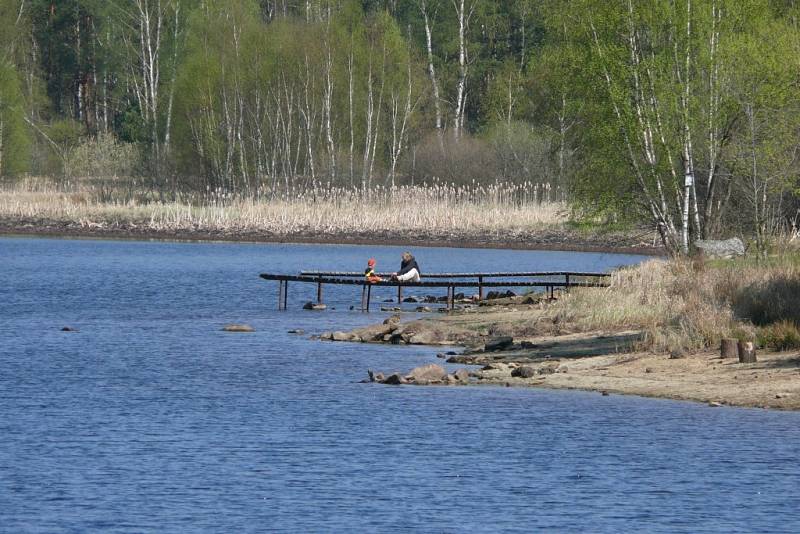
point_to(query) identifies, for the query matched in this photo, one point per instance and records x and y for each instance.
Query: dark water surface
(152, 419)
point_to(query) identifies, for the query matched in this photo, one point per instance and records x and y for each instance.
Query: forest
(677, 115)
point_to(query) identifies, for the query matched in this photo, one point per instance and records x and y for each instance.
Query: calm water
(152, 419)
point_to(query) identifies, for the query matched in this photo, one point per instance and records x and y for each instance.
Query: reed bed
(497, 209)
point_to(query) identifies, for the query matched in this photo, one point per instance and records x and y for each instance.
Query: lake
(151, 419)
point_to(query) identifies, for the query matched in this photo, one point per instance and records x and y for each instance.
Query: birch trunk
(437, 106)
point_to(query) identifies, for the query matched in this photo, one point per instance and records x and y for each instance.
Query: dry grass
(687, 305)
(500, 209)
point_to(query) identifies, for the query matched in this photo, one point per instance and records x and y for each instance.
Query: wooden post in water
(480, 288)
(369, 295)
(729, 348)
(747, 352)
(399, 294)
(319, 292)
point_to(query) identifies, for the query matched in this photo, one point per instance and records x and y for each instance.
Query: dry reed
(689, 305)
(497, 209)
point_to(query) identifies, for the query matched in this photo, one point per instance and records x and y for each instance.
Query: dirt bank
(519, 345)
(557, 239)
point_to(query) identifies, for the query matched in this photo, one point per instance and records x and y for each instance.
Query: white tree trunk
(437, 105)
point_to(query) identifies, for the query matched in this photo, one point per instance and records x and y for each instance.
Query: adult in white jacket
(409, 270)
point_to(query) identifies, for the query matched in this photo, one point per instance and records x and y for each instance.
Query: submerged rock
(68, 329)
(314, 306)
(298, 331)
(238, 328)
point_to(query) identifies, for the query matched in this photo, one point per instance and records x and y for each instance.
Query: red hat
(371, 262)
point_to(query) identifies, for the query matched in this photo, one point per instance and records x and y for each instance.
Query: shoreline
(606, 362)
(553, 240)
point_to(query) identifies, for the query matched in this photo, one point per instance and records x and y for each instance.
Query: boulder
(375, 377)
(424, 309)
(238, 328)
(341, 336)
(427, 337)
(495, 366)
(298, 331)
(374, 333)
(461, 375)
(727, 248)
(314, 306)
(498, 343)
(390, 309)
(412, 299)
(524, 372)
(547, 369)
(395, 379)
(394, 319)
(427, 374)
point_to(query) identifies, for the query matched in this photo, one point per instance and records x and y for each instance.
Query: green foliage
(14, 134)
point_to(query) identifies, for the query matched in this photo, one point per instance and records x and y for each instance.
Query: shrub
(783, 335)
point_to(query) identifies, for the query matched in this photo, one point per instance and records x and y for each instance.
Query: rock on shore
(424, 375)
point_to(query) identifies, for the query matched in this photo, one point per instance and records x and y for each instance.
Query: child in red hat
(369, 272)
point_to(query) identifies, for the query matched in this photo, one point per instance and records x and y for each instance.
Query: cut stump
(729, 348)
(747, 352)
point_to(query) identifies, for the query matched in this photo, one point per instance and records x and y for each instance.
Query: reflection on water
(151, 418)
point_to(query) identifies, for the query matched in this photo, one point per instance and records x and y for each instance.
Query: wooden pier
(450, 281)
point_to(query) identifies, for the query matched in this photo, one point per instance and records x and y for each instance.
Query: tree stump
(729, 348)
(747, 352)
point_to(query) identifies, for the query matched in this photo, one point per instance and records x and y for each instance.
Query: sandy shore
(772, 382)
(557, 239)
(596, 361)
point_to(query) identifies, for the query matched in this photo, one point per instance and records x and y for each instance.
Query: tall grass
(438, 208)
(685, 304)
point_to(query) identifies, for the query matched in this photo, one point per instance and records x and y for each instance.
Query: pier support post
(283, 292)
(319, 292)
(369, 295)
(480, 288)
(399, 294)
